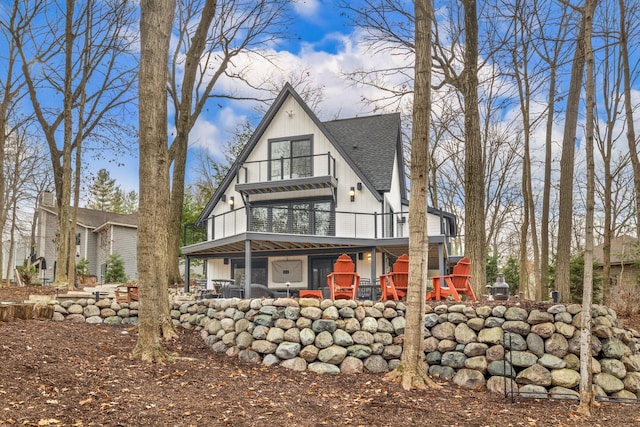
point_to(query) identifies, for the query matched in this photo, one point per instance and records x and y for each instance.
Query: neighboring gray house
(98, 235)
(625, 257)
(304, 191)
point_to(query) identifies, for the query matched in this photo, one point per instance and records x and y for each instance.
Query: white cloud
(213, 137)
(341, 98)
(306, 8)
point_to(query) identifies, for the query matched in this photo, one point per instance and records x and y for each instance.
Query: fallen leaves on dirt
(76, 374)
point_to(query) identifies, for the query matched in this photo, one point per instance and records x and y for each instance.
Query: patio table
(219, 285)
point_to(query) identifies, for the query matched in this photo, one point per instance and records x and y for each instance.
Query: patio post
(247, 268)
(187, 275)
(373, 265)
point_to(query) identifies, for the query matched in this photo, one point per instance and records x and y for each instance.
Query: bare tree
(413, 369)
(549, 48)
(475, 235)
(622, 202)
(610, 74)
(566, 172)
(79, 69)
(625, 20)
(211, 34)
(586, 387)
(522, 61)
(211, 171)
(156, 19)
(11, 92)
(25, 172)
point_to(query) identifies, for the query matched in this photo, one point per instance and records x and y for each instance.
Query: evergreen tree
(114, 272)
(511, 272)
(103, 192)
(129, 201)
(105, 195)
(492, 269)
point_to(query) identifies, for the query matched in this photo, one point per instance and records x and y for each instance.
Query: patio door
(258, 271)
(319, 268)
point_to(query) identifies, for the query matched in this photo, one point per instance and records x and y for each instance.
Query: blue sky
(323, 43)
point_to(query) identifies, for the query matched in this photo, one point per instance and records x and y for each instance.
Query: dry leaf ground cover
(80, 374)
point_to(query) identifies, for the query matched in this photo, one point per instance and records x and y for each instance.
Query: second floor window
(296, 217)
(290, 159)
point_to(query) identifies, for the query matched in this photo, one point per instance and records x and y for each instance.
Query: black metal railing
(340, 224)
(192, 233)
(294, 167)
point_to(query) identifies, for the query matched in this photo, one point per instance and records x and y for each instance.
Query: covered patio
(249, 246)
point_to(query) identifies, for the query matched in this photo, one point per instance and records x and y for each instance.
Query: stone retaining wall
(532, 352)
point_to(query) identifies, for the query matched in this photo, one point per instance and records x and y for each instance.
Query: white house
(302, 192)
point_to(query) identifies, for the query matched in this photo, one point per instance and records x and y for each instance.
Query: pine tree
(129, 201)
(105, 195)
(103, 192)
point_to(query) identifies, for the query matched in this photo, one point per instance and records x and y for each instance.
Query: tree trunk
(8, 94)
(175, 211)
(606, 147)
(586, 388)
(185, 120)
(475, 244)
(628, 108)
(520, 62)
(412, 369)
(11, 239)
(23, 311)
(74, 213)
(546, 192)
(64, 186)
(3, 212)
(155, 30)
(78, 160)
(565, 219)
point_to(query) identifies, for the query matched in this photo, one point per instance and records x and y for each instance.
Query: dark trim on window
(257, 264)
(291, 140)
(289, 204)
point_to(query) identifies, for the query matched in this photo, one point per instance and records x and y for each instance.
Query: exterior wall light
(352, 194)
(231, 202)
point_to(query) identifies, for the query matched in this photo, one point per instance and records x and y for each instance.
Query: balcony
(355, 225)
(286, 174)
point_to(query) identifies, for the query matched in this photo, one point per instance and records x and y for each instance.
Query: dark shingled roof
(371, 142)
(94, 218)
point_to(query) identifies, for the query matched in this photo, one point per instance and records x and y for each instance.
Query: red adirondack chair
(394, 284)
(455, 284)
(344, 281)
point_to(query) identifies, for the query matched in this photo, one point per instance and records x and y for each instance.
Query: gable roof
(624, 250)
(94, 219)
(367, 136)
(366, 141)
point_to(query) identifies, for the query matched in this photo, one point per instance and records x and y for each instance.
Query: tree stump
(23, 311)
(43, 311)
(6, 312)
